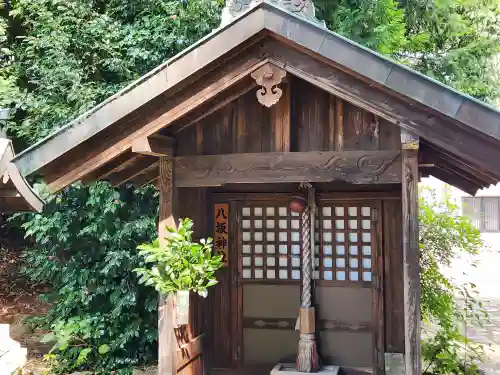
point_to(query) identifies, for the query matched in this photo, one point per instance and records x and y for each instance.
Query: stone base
(12, 356)
(290, 369)
(394, 364)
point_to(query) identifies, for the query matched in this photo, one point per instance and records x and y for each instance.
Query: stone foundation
(12, 356)
(394, 364)
(289, 369)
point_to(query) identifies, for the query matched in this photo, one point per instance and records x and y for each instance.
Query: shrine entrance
(265, 269)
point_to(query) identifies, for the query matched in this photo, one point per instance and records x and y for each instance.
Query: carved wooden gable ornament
(269, 76)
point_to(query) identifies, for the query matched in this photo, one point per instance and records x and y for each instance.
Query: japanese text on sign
(221, 230)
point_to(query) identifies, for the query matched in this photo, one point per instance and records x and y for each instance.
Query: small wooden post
(166, 309)
(411, 263)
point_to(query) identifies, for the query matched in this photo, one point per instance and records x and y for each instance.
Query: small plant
(179, 264)
(74, 336)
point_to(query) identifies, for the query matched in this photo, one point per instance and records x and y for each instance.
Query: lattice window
(345, 242)
(270, 237)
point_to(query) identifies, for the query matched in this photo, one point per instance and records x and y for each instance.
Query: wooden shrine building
(269, 101)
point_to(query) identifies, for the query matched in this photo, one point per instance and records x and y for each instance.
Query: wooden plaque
(221, 230)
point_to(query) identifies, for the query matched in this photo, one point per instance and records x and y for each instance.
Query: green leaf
(82, 356)
(49, 337)
(103, 349)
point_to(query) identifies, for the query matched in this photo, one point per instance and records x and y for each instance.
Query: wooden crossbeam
(125, 175)
(451, 177)
(154, 145)
(9, 193)
(119, 163)
(218, 104)
(148, 176)
(358, 167)
(430, 153)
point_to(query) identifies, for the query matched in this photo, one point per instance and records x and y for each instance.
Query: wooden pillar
(411, 265)
(166, 309)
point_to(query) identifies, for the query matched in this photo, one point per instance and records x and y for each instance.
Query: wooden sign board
(221, 230)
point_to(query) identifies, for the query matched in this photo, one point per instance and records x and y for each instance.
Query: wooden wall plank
(360, 129)
(331, 123)
(339, 121)
(193, 204)
(306, 118)
(280, 120)
(389, 135)
(393, 274)
(257, 135)
(310, 117)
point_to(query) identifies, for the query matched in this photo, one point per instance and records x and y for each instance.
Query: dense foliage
(444, 236)
(453, 41)
(61, 57)
(68, 55)
(84, 248)
(178, 263)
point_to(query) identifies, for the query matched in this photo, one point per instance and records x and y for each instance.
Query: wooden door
(270, 269)
(349, 283)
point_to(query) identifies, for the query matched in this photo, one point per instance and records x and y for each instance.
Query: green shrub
(84, 246)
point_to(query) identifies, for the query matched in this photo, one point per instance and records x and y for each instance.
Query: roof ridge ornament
(301, 8)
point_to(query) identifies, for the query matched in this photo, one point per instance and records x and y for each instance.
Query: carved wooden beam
(288, 324)
(269, 76)
(357, 167)
(154, 145)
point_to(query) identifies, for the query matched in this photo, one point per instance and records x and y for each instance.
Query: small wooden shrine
(236, 128)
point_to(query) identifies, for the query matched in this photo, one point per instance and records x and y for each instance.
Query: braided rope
(306, 257)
